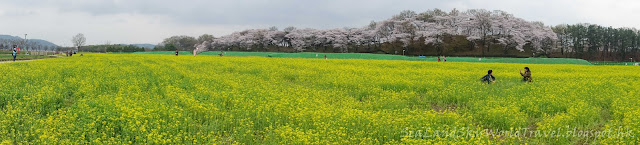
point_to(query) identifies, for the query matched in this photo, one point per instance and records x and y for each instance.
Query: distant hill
(9, 37)
(37, 41)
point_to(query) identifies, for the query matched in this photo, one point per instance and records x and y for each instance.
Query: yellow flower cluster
(164, 99)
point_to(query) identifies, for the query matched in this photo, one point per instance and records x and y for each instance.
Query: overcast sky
(150, 21)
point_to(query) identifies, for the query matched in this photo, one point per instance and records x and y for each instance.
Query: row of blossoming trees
(433, 32)
(473, 32)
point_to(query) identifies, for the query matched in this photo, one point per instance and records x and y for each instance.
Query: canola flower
(163, 99)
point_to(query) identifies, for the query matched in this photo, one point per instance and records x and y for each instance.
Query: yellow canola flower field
(165, 99)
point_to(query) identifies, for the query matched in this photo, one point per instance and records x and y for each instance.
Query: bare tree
(78, 40)
(32, 46)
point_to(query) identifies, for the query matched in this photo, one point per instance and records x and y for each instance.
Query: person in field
(15, 53)
(221, 53)
(526, 76)
(489, 78)
(176, 52)
(195, 51)
(438, 58)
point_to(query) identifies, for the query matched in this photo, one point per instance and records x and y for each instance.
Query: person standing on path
(14, 54)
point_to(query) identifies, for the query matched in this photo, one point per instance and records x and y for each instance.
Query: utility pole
(25, 43)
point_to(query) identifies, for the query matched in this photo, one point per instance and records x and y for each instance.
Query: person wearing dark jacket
(489, 78)
(526, 76)
(14, 53)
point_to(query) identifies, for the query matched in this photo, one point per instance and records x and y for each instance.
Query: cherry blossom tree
(406, 28)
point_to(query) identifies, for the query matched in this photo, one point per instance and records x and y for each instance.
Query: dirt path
(16, 61)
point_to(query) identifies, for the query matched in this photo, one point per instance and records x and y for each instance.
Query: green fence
(613, 63)
(385, 57)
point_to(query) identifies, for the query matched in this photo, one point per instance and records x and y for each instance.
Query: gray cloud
(149, 21)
